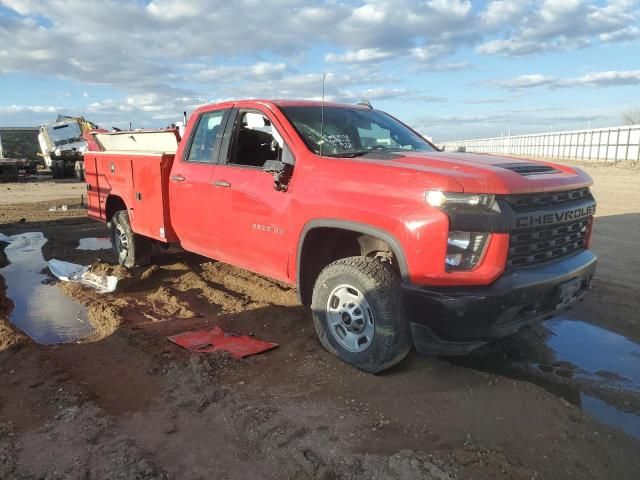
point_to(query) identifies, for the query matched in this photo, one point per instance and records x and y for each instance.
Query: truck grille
(529, 201)
(541, 244)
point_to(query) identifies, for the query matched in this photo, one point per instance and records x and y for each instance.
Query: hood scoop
(526, 169)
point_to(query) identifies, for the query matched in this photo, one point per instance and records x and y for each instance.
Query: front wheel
(359, 315)
(131, 249)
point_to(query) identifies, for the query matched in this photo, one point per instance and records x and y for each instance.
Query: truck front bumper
(456, 320)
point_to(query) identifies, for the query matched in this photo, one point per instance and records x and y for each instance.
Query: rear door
(194, 214)
(255, 215)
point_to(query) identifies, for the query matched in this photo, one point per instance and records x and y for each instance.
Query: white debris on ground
(65, 271)
(61, 208)
(72, 272)
(23, 242)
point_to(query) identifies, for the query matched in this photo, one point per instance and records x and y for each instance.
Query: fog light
(465, 249)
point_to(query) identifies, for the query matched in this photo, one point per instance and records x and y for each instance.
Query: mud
(129, 404)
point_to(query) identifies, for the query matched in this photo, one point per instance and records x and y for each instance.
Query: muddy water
(41, 310)
(575, 360)
(597, 354)
(95, 243)
(608, 414)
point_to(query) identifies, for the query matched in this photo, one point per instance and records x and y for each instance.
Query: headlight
(465, 249)
(484, 201)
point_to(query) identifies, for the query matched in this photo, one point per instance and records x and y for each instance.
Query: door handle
(222, 183)
(177, 178)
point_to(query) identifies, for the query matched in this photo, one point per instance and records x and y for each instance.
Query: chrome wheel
(122, 242)
(350, 318)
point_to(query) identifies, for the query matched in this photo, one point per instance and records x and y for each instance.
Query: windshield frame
(316, 148)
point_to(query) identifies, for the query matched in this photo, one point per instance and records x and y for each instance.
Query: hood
(484, 173)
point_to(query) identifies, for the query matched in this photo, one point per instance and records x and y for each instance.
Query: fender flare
(353, 227)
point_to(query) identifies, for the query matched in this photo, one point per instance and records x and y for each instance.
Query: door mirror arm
(281, 172)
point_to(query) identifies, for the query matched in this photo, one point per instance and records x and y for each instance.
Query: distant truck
(391, 242)
(18, 153)
(63, 144)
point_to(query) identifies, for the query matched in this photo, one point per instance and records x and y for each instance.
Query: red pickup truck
(391, 242)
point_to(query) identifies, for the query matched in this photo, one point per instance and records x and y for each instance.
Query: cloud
(429, 52)
(28, 108)
(594, 79)
(525, 81)
(605, 79)
(500, 12)
(554, 25)
(225, 73)
(359, 56)
(147, 51)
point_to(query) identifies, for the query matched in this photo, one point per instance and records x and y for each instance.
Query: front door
(194, 215)
(256, 215)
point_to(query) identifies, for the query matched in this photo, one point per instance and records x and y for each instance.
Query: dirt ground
(130, 404)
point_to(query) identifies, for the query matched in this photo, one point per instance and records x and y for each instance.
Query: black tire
(58, 169)
(131, 249)
(54, 170)
(380, 286)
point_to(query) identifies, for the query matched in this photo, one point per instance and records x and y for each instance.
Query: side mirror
(281, 172)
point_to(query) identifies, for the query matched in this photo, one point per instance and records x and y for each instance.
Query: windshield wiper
(356, 153)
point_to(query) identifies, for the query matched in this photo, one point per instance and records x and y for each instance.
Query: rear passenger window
(205, 137)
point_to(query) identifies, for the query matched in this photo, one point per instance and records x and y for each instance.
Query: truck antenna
(324, 75)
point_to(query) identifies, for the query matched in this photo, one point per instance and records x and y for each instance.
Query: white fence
(606, 144)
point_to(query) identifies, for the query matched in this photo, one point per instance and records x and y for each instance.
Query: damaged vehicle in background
(63, 143)
(391, 242)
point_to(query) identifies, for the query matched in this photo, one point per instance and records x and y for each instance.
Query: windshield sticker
(342, 141)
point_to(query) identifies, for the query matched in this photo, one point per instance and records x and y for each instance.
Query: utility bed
(133, 165)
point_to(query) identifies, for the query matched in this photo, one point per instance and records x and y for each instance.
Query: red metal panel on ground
(206, 341)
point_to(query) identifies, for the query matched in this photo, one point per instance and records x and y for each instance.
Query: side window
(201, 149)
(255, 141)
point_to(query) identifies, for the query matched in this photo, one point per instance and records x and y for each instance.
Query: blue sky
(451, 68)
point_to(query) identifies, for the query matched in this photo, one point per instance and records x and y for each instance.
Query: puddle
(95, 243)
(599, 354)
(610, 415)
(41, 310)
(573, 360)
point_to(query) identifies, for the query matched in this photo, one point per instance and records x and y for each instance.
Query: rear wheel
(131, 249)
(359, 315)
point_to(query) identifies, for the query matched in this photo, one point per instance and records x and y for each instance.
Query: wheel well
(114, 204)
(324, 245)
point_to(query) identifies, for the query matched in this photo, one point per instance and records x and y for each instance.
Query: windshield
(61, 133)
(350, 132)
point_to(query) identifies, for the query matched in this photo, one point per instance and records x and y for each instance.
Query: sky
(452, 69)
